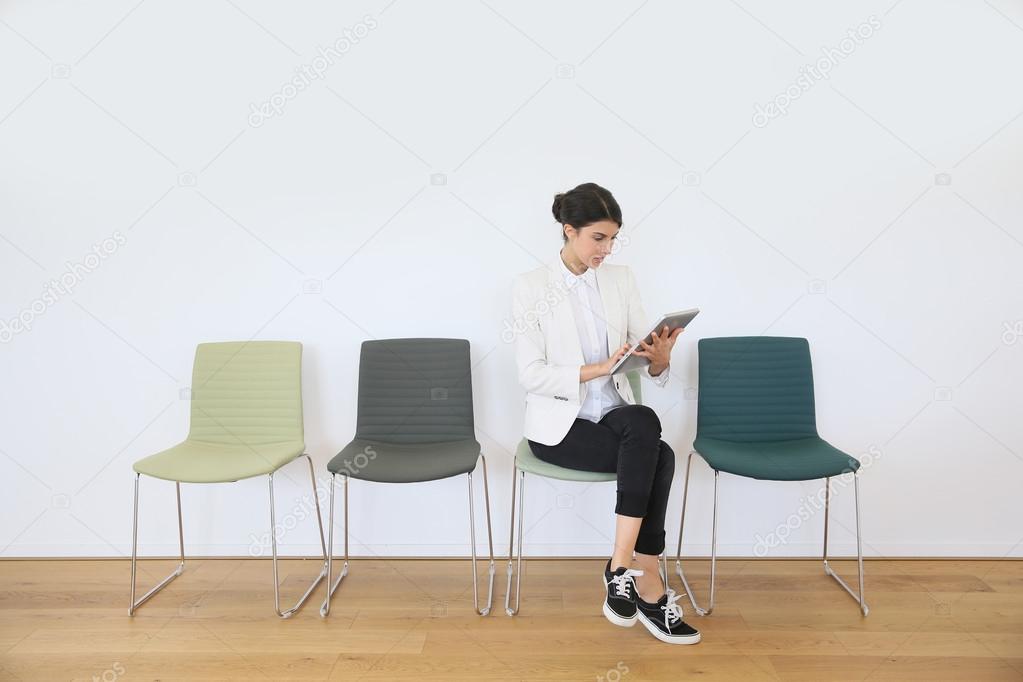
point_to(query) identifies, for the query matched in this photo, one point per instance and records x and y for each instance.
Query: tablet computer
(673, 321)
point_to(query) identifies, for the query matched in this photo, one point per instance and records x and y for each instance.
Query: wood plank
(396, 619)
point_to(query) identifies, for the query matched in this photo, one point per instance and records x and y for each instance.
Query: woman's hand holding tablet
(655, 347)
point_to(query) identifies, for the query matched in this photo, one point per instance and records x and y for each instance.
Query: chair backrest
(415, 391)
(755, 388)
(247, 392)
(637, 384)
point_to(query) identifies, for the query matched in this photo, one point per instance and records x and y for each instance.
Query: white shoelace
(672, 611)
(625, 582)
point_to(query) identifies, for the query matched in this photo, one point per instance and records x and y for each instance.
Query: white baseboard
(530, 549)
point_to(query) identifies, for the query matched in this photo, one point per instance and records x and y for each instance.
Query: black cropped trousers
(627, 442)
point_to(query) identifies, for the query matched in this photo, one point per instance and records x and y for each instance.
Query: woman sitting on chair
(575, 320)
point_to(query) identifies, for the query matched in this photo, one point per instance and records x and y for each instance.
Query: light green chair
(756, 418)
(246, 420)
(527, 462)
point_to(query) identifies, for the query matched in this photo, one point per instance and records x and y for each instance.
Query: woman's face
(594, 242)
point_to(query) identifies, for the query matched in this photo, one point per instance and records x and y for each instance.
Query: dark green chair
(756, 418)
(415, 423)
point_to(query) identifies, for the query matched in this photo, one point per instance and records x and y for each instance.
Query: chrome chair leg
(331, 587)
(515, 569)
(713, 543)
(472, 543)
(273, 544)
(859, 544)
(134, 550)
(511, 545)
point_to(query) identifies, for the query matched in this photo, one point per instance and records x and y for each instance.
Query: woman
(574, 320)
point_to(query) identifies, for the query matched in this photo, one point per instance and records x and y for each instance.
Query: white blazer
(548, 352)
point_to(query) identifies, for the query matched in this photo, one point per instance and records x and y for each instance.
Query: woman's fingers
(660, 343)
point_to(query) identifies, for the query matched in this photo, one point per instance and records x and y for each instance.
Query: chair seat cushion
(193, 461)
(373, 460)
(526, 461)
(802, 459)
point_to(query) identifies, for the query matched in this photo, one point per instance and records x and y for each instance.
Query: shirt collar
(571, 279)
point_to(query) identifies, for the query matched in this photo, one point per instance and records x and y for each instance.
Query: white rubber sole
(656, 632)
(614, 617)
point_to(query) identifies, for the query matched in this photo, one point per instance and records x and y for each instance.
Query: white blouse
(587, 306)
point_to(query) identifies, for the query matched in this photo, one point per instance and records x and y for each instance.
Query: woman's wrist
(590, 372)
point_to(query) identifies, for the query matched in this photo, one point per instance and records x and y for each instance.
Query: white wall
(880, 216)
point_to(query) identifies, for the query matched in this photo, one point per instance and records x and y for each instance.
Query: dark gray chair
(415, 423)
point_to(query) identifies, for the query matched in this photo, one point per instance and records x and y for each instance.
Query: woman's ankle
(650, 587)
(617, 562)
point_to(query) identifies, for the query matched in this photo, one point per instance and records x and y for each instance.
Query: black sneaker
(664, 620)
(620, 602)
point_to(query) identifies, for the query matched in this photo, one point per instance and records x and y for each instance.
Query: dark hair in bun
(584, 205)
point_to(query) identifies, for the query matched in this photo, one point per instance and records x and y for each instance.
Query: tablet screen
(673, 321)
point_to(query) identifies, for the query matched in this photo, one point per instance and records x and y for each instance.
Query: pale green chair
(246, 420)
(527, 462)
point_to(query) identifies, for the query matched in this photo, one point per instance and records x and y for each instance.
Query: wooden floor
(775, 620)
